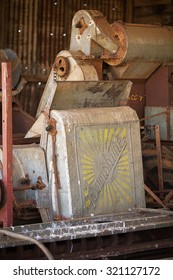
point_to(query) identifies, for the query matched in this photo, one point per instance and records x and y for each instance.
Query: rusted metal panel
(159, 88)
(137, 97)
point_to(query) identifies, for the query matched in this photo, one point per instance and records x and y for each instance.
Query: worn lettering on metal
(104, 160)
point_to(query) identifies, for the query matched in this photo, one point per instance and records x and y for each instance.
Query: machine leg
(6, 213)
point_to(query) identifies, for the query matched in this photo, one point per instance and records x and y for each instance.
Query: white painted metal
(85, 148)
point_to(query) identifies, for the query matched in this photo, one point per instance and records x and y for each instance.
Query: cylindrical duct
(147, 43)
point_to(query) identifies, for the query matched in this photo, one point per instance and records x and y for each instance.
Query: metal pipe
(149, 43)
(152, 116)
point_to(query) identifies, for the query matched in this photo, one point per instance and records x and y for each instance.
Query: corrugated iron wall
(153, 12)
(38, 29)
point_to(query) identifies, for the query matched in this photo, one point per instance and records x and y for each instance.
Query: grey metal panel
(166, 128)
(83, 94)
(99, 161)
(30, 159)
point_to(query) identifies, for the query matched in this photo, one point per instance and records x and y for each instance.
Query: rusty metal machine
(84, 184)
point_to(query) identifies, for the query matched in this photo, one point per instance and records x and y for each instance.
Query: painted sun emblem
(105, 167)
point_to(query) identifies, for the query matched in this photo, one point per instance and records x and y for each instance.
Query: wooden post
(6, 213)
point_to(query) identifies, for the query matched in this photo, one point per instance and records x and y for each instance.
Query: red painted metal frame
(6, 213)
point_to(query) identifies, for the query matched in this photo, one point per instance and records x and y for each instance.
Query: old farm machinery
(90, 188)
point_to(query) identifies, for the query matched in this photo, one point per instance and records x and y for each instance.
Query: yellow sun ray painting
(105, 168)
